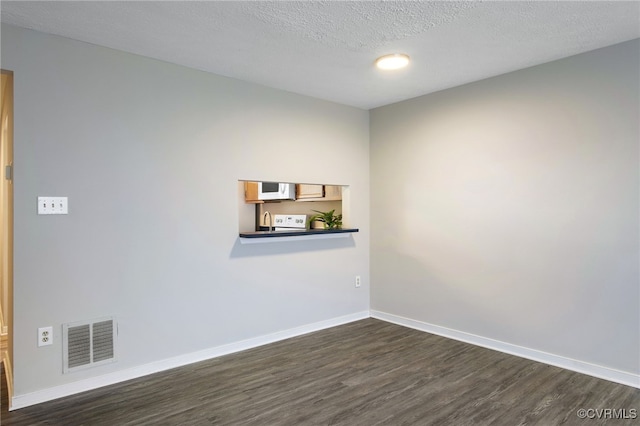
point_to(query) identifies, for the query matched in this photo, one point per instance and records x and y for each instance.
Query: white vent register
(88, 344)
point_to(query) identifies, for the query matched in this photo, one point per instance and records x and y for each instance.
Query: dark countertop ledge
(267, 234)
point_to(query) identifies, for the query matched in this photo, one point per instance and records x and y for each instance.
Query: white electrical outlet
(45, 336)
(357, 280)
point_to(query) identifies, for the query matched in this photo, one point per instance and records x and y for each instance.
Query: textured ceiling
(326, 49)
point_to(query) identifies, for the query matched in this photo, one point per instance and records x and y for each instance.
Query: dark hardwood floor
(363, 373)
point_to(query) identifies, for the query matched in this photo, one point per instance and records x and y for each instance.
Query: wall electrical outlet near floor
(45, 336)
(357, 280)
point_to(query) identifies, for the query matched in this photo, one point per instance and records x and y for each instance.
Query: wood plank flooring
(364, 373)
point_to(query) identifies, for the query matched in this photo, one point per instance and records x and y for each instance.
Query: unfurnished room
(320, 213)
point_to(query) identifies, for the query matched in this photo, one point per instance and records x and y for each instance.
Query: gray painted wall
(150, 154)
(510, 208)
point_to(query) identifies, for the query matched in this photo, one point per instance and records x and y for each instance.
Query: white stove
(290, 222)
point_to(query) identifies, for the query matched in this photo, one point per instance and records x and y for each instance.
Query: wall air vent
(88, 344)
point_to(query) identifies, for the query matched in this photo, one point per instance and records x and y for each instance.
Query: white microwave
(276, 191)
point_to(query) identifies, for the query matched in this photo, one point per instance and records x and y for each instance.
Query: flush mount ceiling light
(394, 61)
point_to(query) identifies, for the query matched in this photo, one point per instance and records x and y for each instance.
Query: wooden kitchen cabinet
(318, 192)
(333, 192)
(251, 192)
(304, 191)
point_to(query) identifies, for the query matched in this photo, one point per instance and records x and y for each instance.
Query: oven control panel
(296, 221)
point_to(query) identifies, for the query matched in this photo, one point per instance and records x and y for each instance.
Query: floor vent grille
(88, 344)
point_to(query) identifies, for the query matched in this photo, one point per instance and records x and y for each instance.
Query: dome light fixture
(395, 61)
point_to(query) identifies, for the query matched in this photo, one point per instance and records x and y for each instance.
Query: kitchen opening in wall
(268, 206)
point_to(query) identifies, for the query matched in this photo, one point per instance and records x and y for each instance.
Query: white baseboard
(598, 371)
(25, 400)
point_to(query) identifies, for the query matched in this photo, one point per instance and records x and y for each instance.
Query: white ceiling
(326, 49)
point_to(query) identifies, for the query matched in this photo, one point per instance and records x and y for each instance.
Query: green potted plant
(330, 220)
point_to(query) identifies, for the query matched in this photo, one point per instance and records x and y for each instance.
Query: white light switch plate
(53, 205)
